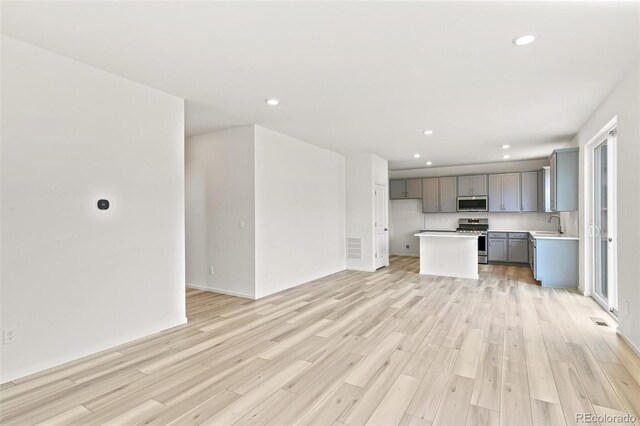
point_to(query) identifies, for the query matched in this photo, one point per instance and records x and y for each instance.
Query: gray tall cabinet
(563, 183)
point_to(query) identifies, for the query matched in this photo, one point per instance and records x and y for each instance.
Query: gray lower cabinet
(508, 247)
(518, 251)
(497, 249)
(529, 191)
(430, 196)
(555, 262)
(448, 194)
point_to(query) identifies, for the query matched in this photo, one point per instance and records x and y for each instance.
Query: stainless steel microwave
(472, 204)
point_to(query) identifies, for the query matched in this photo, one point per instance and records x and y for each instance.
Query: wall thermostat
(103, 204)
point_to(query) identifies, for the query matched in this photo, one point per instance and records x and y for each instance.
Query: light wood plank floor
(383, 348)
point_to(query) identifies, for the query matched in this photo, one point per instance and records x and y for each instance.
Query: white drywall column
(75, 279)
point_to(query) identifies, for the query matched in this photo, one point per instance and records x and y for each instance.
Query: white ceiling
(360, 76)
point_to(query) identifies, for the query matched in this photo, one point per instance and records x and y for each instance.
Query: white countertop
(553, 237)
(446, 234)
(539, 236)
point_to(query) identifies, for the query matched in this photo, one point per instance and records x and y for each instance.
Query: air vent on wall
(354, 248)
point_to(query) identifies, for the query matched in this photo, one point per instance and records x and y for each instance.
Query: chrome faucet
(559, 222)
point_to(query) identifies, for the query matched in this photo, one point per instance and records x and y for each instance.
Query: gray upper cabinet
(495, 193)
(511, 192)
(430, 196)
(448, 194)
(563, 183)
(529, 191)
(414, 188)
(464, 186)
(472, 185)
(504, 192)
(545, 197)
(397, 189)
(479, 185)
(401, 189)
(552, 182)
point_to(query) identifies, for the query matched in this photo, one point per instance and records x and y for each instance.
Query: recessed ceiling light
(504, 157)
(506, 146)
(272, 101)
(428, 132)
(428, 163)
(416, 155)
(525, 39)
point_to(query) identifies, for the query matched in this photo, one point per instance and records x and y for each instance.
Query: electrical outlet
(626, 305)
(241, 224)
(9, 336)
(210, 270)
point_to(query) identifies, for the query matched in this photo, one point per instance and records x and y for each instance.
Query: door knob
(386, 229)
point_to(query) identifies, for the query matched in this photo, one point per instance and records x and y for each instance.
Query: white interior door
(381, 223)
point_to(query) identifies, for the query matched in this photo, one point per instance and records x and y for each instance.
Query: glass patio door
(600, 236)
(602, 229)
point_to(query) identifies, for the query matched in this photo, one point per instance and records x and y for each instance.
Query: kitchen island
(449, 254)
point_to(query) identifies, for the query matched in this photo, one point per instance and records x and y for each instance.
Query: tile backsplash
(406, 218)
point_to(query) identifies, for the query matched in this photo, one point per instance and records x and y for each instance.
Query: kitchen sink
(545, 233)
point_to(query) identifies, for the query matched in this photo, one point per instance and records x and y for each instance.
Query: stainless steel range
(476, 226)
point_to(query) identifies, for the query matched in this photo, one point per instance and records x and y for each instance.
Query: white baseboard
(626, 339)
(470, 277)
(221, 291)
(90, 350)
(404, 255)
(355, 268)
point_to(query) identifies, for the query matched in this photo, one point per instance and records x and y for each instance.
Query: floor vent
(600, 322)
(354, 248)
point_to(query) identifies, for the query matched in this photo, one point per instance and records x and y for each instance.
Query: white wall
(623, 102)
(363, 172)
(300, 212)
(75, 279)
(406, 217)
(359, 211)
(502, 167)
(220, 195)
(265, 210)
